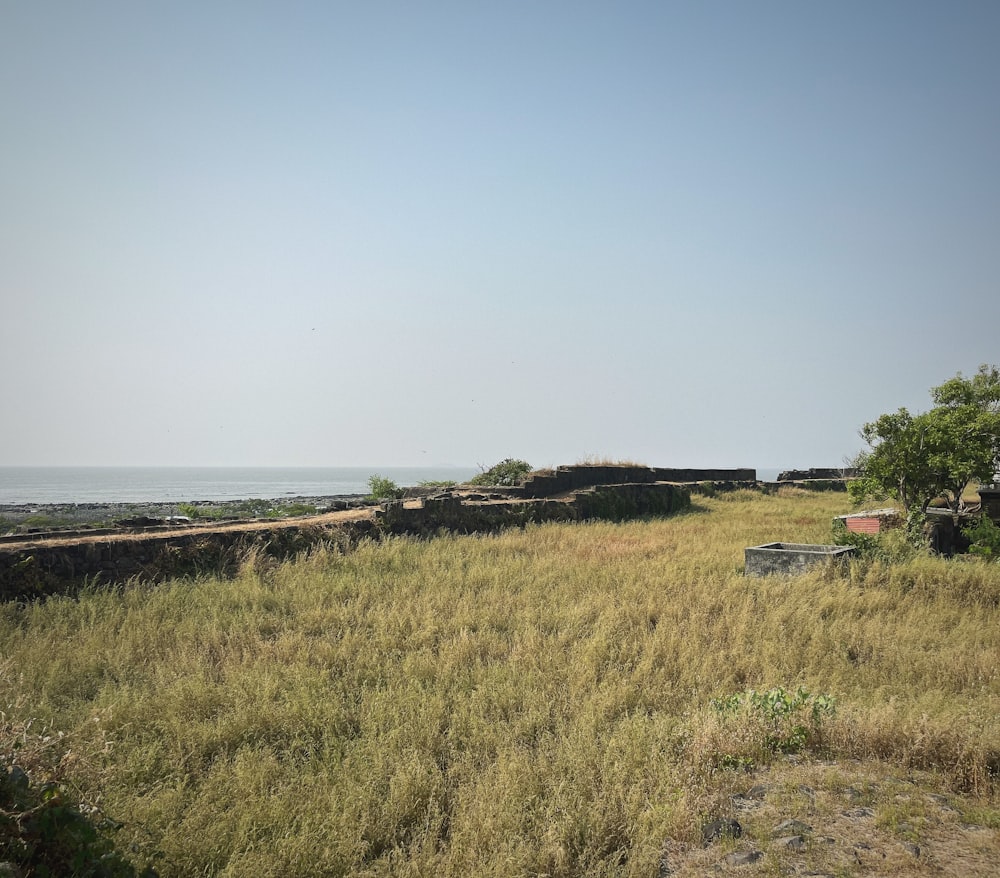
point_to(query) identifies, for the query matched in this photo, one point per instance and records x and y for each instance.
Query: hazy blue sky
(691, 233)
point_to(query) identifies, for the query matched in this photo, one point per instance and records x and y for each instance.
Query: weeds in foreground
(539, 701)
(770, 722)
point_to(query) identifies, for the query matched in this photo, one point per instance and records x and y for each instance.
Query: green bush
(781, 721)
(43, 832)
(984, 537)
(507, 473)
(381, 488)
(893, 546)
(255, 506)
(295, 509)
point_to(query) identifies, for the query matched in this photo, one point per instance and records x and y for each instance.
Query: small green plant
(437, 483)
(381, 488)
(189, 510)
(789, 721)
(984, 538)
(507, 473)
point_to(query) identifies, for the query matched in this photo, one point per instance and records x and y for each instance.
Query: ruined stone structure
(37, 565)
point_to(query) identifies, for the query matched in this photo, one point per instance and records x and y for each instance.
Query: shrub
(294, 509)
(507, 473)
(255, 506)
(44, 831)
(984, 537)
(894, 546)
(754, 726)
(382, 488)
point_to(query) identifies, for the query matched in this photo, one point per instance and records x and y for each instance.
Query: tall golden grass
(536, 702)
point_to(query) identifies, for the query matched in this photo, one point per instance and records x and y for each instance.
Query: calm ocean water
(181, 484)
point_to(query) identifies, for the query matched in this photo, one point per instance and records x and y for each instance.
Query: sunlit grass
(530, 703)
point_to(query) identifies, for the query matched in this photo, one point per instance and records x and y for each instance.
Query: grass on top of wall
(535, 702)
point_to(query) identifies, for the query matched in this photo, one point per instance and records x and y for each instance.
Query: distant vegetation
(600, 460)
(559, 700)
(381, 488)
(252, 508)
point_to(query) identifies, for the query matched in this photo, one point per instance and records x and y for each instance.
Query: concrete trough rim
(805, 548)
(791, 559)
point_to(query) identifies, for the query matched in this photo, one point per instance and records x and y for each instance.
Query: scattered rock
(912, 848)
(792, 842)
(857, 813)
(742, 858)
(725, 828)
(139, 521)
(758, 792)
(741, 803)
(791, 827)
(942, 801)
(18, 778)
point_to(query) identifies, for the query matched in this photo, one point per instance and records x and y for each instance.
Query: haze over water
(26, 485)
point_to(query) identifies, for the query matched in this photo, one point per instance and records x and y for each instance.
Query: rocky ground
(841, 818)
(27, 517)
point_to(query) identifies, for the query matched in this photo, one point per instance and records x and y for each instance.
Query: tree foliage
(937, 453)
(381, 488)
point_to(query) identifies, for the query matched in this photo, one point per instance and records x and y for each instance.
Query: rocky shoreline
(16, 517)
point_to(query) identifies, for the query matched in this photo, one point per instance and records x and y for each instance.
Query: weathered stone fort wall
(573, 478)
(58, 566)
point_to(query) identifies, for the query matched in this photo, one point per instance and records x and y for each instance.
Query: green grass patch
(534, 702)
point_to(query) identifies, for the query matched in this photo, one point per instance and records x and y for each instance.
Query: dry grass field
(563, 700)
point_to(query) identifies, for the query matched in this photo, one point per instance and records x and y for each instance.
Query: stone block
(774, 559)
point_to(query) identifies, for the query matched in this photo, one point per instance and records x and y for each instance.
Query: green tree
(981, 390)
(896, 463)
(382, 488)
(937, 453)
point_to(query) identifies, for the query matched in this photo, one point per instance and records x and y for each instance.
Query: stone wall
(801, 475)
(989, 496)
(63, 568)
(46, 569)
(573, 478)
(609, 502)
